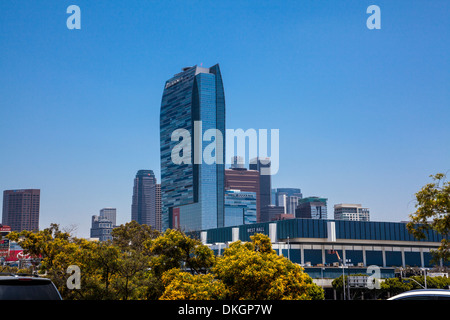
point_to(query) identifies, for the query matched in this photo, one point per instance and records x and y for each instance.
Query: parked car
(18, 287)
(423, 294)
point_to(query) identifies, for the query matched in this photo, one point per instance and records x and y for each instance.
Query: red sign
(5, 228)
(15, 255)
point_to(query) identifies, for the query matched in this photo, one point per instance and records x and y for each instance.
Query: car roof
(424, 292)
(428, 291)
(19, 276)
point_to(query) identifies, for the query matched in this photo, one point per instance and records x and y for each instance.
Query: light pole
(343, 278)
(219, 245)
(289, 249)
(425, 276)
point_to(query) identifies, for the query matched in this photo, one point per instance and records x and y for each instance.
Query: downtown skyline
(363, 114)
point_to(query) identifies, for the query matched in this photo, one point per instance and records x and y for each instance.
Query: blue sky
(363, 114)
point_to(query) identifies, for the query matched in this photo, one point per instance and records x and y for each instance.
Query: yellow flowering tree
(247, 271)
(181, 285)
(253, 270)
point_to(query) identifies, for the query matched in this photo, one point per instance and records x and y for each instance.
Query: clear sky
(363, 114)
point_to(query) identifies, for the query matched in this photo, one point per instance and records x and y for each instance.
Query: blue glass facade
(192, 192)
(361, 243)
(240, 208)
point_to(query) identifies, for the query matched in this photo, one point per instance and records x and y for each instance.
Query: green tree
(433, 207)
(133, 236)
(134, 279)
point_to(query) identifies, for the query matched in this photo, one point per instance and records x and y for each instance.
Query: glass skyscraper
(240, 207)
(192, 191)
(312, 208)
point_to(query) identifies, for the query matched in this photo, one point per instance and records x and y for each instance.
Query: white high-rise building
(353, 212)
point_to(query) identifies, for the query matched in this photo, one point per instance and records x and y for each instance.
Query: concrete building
(101, 228)
(110, 214)
(245, 181)
(316, 244)
(354, 212)
(21, 209)
(262, 165)
(287, 198)
(272, 213)
(312, 208)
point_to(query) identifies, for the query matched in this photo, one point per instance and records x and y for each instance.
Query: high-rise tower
(21, 209)
(192, 123)
(263, 166)
(145, 206)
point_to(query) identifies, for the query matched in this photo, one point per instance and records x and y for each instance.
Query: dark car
(17, 287)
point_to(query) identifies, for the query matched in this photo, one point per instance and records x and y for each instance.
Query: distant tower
(263, 166)
(245, 181)
(101, 228)
(144, 205)
(312, 208)
(21, 209)
(110, 214)
(158, 206)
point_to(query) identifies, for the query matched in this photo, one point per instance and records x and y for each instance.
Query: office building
(291, 204)
(288, 192)
(274, 213)
(145, 208)
(101, 228)
(103, 224)
(110, 214)
(158, 225)
(312, 208)
(192, 189)
(245, 181)
(262, 165)
(287, 198)
(240, 207)
(354, 212)
(21, 209)
(237, 163)
(316, 244)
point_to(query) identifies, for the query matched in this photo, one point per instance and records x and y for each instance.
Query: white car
(423, 294)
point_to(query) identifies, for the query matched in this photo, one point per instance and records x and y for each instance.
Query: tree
(253, 270)
(56, 251)
(139, 265)
(45, 244)
(134, 279)
(133, 236)
(181, 285)
(108, 271)
(174, 249)
(433, 207)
